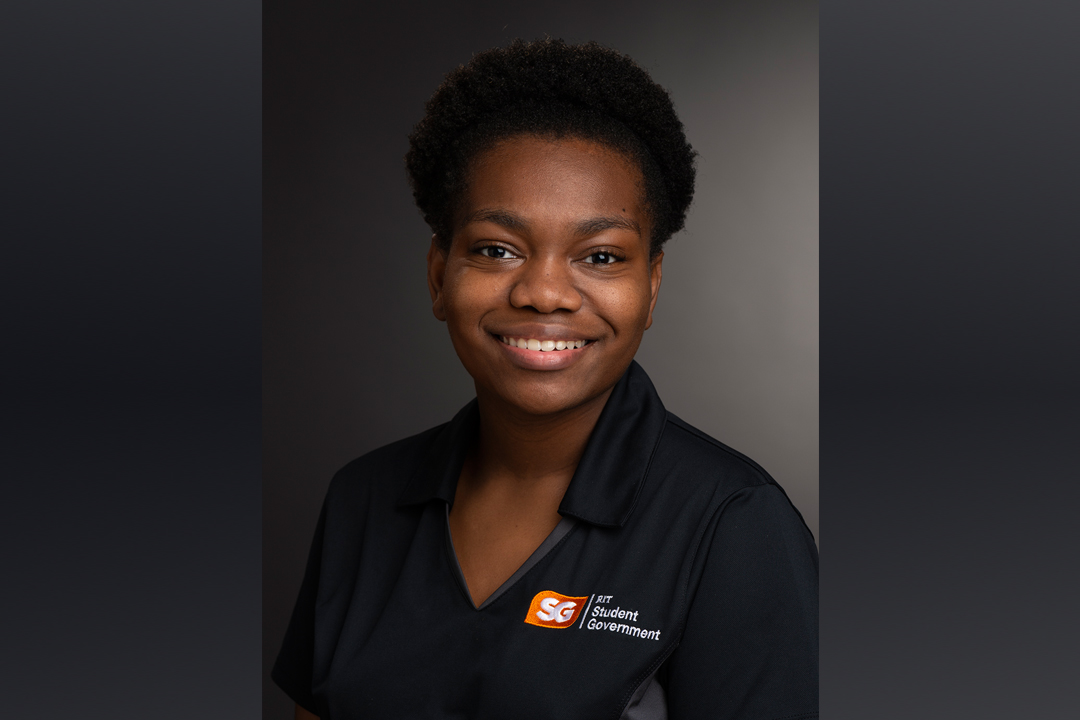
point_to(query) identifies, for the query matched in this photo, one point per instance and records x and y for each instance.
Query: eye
(495, 251)
(602, 258)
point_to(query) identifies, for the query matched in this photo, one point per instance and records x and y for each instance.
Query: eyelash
(483, 251)
(613, 258)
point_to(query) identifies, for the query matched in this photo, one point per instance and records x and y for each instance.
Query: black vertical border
(949, 353)
(130, 280)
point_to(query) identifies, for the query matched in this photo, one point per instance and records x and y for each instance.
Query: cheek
(626, 305)
(468, 296)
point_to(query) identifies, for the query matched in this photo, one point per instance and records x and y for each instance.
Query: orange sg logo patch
(553, 610)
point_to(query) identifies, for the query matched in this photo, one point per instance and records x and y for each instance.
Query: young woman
(564, 547)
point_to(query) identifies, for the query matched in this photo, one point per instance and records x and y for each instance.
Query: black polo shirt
(680, 583)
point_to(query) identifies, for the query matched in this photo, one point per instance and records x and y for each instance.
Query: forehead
(555, 181)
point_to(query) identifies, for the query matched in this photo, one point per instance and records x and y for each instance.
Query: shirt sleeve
(749, 650)
(295, 663)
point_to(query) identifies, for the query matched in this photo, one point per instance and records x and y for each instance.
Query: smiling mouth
(542, 345)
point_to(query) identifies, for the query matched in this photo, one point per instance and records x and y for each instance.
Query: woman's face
(550, 251)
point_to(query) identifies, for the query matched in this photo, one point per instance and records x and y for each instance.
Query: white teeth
(542, 345)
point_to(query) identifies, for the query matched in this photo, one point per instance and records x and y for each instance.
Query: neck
(529, 448)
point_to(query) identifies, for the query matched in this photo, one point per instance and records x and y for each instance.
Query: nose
(545, 285)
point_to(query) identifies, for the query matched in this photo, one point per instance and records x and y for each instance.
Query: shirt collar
(612, 470)
(438, 473)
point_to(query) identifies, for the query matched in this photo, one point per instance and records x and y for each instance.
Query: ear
(654, 284)
(436, 271)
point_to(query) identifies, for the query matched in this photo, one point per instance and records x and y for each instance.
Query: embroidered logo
(553, 610)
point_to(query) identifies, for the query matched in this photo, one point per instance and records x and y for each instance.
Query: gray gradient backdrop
(353, 358)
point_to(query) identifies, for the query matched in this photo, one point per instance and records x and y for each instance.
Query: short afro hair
(548, 88)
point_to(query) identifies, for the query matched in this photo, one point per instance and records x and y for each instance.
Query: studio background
(352, 356)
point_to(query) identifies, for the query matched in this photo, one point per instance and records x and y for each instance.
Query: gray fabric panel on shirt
(647, 703)
(553, 538)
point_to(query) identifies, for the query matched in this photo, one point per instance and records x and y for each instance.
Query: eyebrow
(592, 226)
(500, 217)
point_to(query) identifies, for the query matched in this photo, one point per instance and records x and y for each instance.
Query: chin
(546, 395)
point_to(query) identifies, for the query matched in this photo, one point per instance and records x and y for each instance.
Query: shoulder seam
(419, 437)
(766, 478)
(758, 471)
